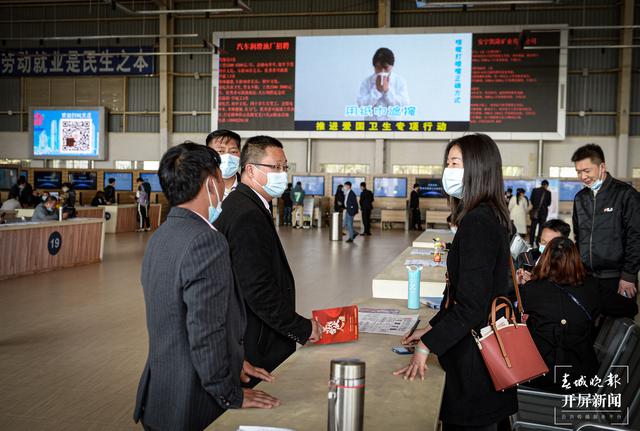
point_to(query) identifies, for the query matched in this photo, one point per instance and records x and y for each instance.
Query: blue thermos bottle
(414, 287)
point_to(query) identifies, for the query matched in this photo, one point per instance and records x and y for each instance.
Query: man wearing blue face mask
(258, 258)
(227, 144)
(606, 224)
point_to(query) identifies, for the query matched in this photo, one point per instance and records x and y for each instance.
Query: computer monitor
(390, 187)
(87, 180)
(431, 188)
(8, 177)
(153, 179)
(47, 180)
(312, 185)
(355, 183)
(124, 180)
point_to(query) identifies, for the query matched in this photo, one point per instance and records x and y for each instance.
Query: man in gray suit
(195, 314)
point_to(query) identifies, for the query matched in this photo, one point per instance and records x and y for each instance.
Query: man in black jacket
(351, 209)
(414, 205)
(258, 258)
(540, 201)
(110, 192)
(366, 206)
(606, 224)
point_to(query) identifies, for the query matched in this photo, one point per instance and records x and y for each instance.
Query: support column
(379, 157)
(309, 155)
(165, 63)
(540, 159)
(384, 13)
(624, 90)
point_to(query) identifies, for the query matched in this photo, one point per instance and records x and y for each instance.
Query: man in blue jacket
(351, 206)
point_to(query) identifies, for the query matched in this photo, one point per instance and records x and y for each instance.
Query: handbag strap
(515, 286)
(575, 300)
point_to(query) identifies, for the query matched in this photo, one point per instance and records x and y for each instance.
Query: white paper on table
(259, 428)
(422, 251)
(379, 310)
(420, 262)
(386, 324)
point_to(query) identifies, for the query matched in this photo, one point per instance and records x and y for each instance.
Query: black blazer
(110, 194)
(196, 321)
(338, 201)
(541, 199)
(265, 280)
(570, 343)
(366, 200)
(414, 200)
(478, 267)
(351, 203)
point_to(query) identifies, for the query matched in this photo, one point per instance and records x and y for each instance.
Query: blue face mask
(229, 165)
(595, 186)
(541, 247)
(214, 212)
(452, 182)
(276, 183)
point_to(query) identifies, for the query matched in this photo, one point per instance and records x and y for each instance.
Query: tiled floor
(73, 342)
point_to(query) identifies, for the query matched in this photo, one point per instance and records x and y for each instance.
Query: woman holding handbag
(562, 302)
(478, 268)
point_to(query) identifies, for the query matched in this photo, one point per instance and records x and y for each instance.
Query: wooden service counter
(391, 403)
(32, 247)
(124, 218)
(82, 212)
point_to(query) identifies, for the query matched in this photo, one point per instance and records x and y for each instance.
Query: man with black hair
(606, 224)
(258, 258)
(143, 199)
(351, 209)
(227, 144)
(24, 192)
(525, 263)
(195, 315)
(383, 89)
(110, 192)
(414, 206)
(366, 206)
(540, 202)
(46, 211)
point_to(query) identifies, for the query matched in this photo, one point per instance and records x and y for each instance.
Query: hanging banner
(76, 61)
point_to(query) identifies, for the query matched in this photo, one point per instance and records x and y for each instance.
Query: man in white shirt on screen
(383, 89)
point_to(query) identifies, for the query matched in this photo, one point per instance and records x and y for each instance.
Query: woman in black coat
(478, 268)
(563, 302)
(338, 201)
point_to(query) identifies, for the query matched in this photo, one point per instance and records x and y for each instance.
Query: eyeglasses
(279, 168)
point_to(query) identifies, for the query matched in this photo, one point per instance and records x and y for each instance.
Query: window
(70, 164)
(562, 172)
(123, 164)
(150, 165)
(338, 168)
(512, 171)
(24, 163)
(635, 173)
(417, 169)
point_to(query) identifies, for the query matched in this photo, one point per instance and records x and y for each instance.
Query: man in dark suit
(195, 314)
(366, 206)
(351, 207)
(110, 192)
(414, 205)
(258, 258)
(540, 201)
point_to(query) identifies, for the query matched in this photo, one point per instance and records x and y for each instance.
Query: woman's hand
(523, 276)
(417, 366)
(249, 371)
(410, 340)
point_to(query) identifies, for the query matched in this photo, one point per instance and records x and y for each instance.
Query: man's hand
(627, 289)
(258, 399)
(249, 371)
(523, 276)
(382, 83)
(316, 331)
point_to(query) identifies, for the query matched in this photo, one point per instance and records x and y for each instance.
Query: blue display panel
(124, 180)
(390, 187)
(527, 185)
(431, 188)
(87, 180)
(8, 177)
(73, 133)
(47, 180)
(153, 179)
(568, 189)
(355, 183)
(313, 185)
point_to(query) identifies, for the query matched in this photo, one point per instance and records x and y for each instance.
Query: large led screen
(355, 184)
(67, 133)
(312, 185)
(390, 187)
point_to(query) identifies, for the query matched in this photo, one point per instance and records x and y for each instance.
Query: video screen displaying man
(384, 88)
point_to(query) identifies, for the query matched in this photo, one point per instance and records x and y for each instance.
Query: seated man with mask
(46, 211)
(258, 258)
(528, 260)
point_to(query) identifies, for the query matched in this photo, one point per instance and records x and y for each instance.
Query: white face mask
(229, 165)
(276, 183)
(452, 182)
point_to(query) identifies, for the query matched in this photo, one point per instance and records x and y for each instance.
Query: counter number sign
(54, 243)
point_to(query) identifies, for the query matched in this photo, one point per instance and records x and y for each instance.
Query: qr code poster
(76, 136)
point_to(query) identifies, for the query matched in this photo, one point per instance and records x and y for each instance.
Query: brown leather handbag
(509, 352)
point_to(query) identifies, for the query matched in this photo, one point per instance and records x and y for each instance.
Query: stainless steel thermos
(346, 395)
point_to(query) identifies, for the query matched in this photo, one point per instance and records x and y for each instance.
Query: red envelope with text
(340, 324)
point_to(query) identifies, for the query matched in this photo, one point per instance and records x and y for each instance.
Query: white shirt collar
(264, 201)
(205, 220)
(233, 187)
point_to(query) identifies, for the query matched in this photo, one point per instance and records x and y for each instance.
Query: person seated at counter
(68, 200)
(98, 199)
(525, 263)
(563, 303)
(12, 203)
(46, 211)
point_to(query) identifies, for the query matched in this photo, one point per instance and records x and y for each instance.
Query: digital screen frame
(431, 188)
(380, 187)
(560, 68)
(121, 177)
(86, 180)
(154, 181)
(7, 179)
(355, 183)
(303, 178)
(42, 183)
(101, 152)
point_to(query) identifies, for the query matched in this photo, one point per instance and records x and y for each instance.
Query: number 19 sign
(54, 243)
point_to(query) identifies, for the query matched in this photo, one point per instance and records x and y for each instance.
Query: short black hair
(225, 134)
(289, 185)
(254, 149)
(112, 180)
(67, 185)
(416, 185)
(299, 183)
(22, 179)
(559, 226)
(383, 57)
(589, 151)
(544, 183)
(363, 184)
(347, 183)
(184, 169)
(140, 180)
(51, 198)
(510, 190)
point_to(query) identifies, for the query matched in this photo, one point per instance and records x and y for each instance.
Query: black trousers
(366, 221)
(608, 287)
(416, 219)
(143, 215)
(536, 224)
